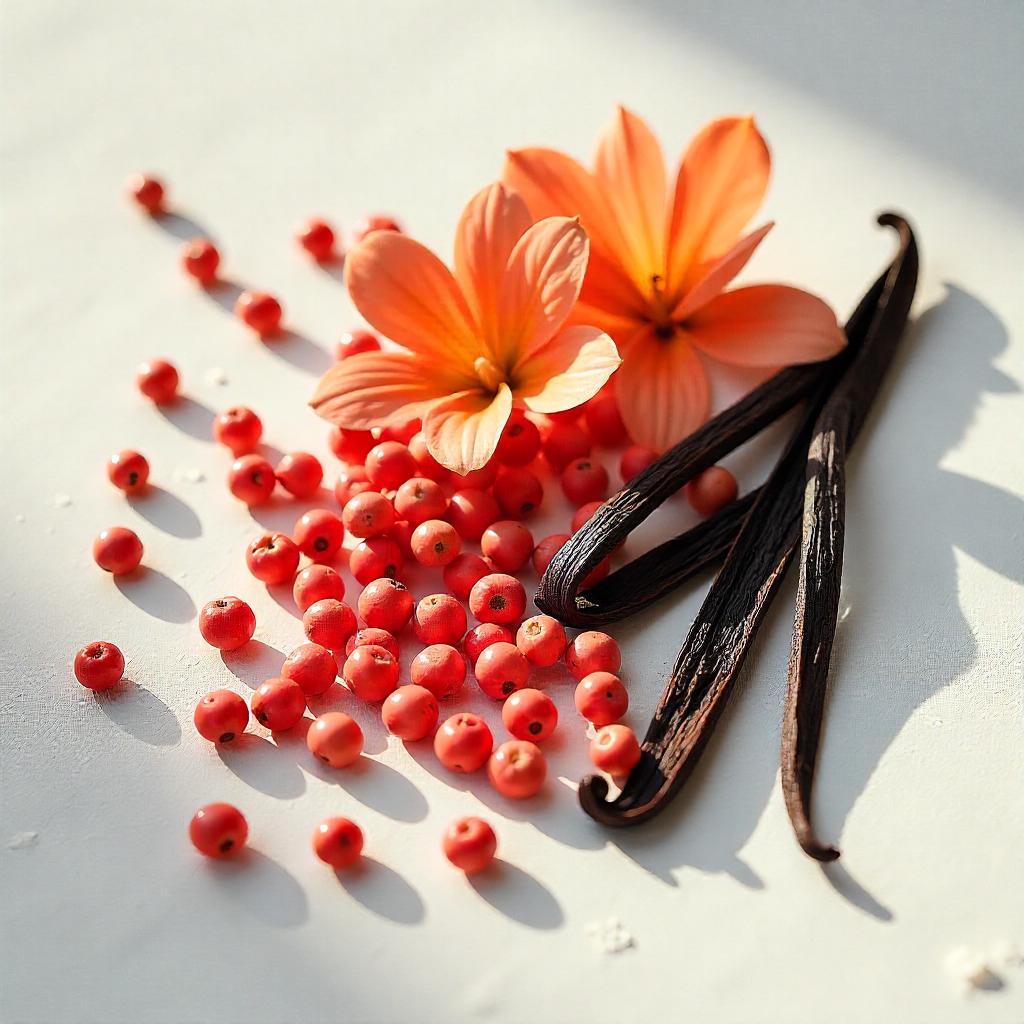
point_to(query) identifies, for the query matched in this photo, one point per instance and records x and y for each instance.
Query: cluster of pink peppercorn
(400, 506)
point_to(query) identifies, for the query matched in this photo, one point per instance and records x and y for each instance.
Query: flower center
(489, 375)
(661, 315)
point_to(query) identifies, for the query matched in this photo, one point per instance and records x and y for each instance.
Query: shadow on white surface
(383, 891)
(853, 892)
(139, 713)
(254, 663)
(518, 895)
(180, 226)
(156, 594)
(260, 886)
(190, 417)
(260, 764)
(167, 512)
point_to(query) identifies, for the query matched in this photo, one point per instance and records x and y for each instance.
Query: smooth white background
(260, 114)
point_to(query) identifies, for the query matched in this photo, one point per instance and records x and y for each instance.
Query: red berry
(601, 698)
(712, 490)
(99, 665)
(260, 311)
(300, 474)
(317, 238)
(584, 480)
(563, 443)
(117, 549)
(592, 651)
(476, 479)
(410, 713)
(517, 769)
(501, 669)
(319, 534)
(435, 543)
(463, 572)
(251, 479)
(530, 715)
(426, 465)
(227, 623)
(542, 640)
(403, 433)
(439, 619)
(440, 669)
(375, 557)
(372, 635)
(147, 191)
(272, 558)
(470, 844)
(218, 830)
(329, 623)
(508, 544)
(370, 672)
(584, 513)
(401, 534)
(375, 222)
(351, 343)
(497, 598)
(519, 441)
(389, 465)
(338, 842)
(386, 604)
(316, 583)
(546, 550)
(335, 739)
(368, 514)
(158, 381)
(481, 637)
(518, 491)
(603, 418)
(128, 471)
(351, 481)
(200, 259)
(635, 460)
(350, 445)
(238, 429)
(279, 704)
(471, 512)
(311, 666)
(221, 716)
(420, 499)
(463, 743)
(615, 750)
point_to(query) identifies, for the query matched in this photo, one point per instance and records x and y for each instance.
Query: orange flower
(476, 343)
(659, 264)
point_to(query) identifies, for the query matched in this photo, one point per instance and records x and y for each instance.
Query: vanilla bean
(821, 559)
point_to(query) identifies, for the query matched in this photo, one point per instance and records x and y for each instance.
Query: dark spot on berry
(390, 570)
(515, 430)
(261, 717)
(257, 477)
(221, 603)
(320, 544)
(507, 687)
(133, 479)
(534, 728)
(439, 547)
(527, 506)
(226, 845)
(326, 760)
(497, 602)
(227, 737)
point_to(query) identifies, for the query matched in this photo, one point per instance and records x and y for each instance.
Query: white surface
(261, 114)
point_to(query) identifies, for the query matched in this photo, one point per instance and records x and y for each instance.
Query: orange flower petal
(462, 430)
(721, 183)
(367, 389)
(572, 367)
(491, 224)
(662, 390)
(766, 325)
(717, 275)
(541, 285)
(630, 171)
(410, 296)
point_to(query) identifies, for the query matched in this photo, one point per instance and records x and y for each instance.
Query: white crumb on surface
(21, 840)
(191, 474)
(216, 375)
(19, 518)
(61, 500)
(609, 936)
(970, 970)
(845, 613)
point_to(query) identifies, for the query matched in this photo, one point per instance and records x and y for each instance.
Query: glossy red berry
(368, 514)
(463, 572)
(351, 343)
(319, 534)
(311, 666)
(218, 830)
(519, 492)
(410, 713)
(272, 558)
(260, 311)
(519, 442)
(386, 604)
(238, 429)
(147, 191)
(463, 743)
(221, 716)
(562, 443)
(402, 432)
(117, 549)
(227, 623)
(375, 222)
(530, 714)
(498, 598)
(476, 479)
(601, 698)
(329, 623)
(372, 635)
(99, 665)
(508, 545)
(300, 473)
(501, 669)
(389, 465)
(584, 480)
(542, 639)
(279, 704)
(615, 750)
(470, 844)
(592, 651)
(374, 558)
(435, 542)
(419, 500)
(350, 446)
(479, 638)
(251, 479)
(584, 513)
(401, 534)
(128, 471)
(546, 550)
(712, 490)
(603, 418)
(336, 739)
(317, 238)
(370, 672)
(440, 669)
(338, 842)
(471, 511)
(158, 380)
(316, 583)
(426, 465)
(635, 460)
(200, 259)
(352, 480)
(439, 619)
(517, 769)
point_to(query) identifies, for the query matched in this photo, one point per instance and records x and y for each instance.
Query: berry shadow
(382, 891)
(254, 663)
(262, 765)
(167, 512)
(180, 226)
(190, 417)
(518, 895)
(281, 594)
(258, 885)
(301, 351)
(156, 594)
(139, 713)
(333, 268)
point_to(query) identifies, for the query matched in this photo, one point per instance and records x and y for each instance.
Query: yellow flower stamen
(490, 376)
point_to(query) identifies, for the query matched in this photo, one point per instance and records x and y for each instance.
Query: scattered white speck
(191, 474)
(19, 518)
(215, 375)
(61, 500)
(937, 722)
(182, 575)
(610, 936)
(845, 613)
(21, 840)
(49, 529)
(970, 970)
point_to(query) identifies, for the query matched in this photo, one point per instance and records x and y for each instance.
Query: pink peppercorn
(300, 474)
(462, 572)
(386, 604)
(401, 534)
(604, 421)
(470, 844)
(403, 433)
(99, 665)
(471, 511)
(463, 743)
(370, 672)
(221, 716)
(350, 446)
(601, 698)
(338, 842)
(389, 465)
(371, 635)
(259, 311)
(440, 669)
(530, 714)
(439, 619)
(497, 598)
(147, 191)
(615, 750)
(426, 465)
(218, 830)
(435, 542)
(279, 704)
(562, 443)
(410, 713)
(584, 513)
(476, 479)
(316, 583)
(419, 500)
(517, 769)
(352, 343)
(316, 236)
(351, 481)
(519, 441)
(311, 666)
(375, 557)
(272, 558)
(128, 471)
(158, 381)
(319, 534)
(375, 222)
(239, 429)
(200, 259)
(518, 491)
(368, 514)
(546, 550)
(227, 623)
(542, 639)
(117, 549)
(251, 479)
(712, 490)
(481, 637)
(501, 669)
(592, 651)
(634, 461)
(336, 739)
(508, 544)
(329, 623)
(584, 480)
